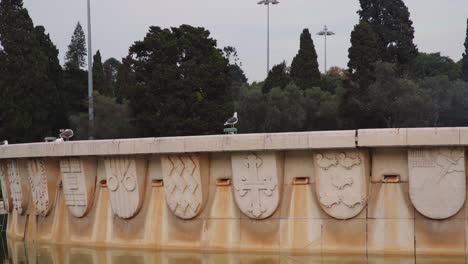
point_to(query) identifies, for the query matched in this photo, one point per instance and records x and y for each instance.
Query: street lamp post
(267, 3)
(325, 32)
(90, 79)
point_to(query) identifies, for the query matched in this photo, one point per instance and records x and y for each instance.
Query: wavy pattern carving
(183, 185)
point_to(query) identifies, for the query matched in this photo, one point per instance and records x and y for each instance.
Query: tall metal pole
(267, 3)
(268, 39)
(325, 70)
(325, 32)
(90, 78)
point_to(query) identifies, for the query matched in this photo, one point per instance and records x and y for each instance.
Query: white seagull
(232, 120)
(66, 134)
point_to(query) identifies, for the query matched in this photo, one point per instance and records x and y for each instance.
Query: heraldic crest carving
(256, 183)
(341, 182)
(437, 181)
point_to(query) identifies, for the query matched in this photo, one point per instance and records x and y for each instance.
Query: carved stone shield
(7, 202)
(43, 182)
(126, 178)
(19, 187)
(79, 184)
(341, 182)
(437, 181)
(257, 182)
(185, 183)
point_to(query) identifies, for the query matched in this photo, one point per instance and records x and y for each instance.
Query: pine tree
(465, 57)
(390, 20)
(75, 57)
(304, 68)
(31, 101)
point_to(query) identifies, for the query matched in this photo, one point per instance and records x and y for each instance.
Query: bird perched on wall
(66, 134)
(4, 142)
(232, 120)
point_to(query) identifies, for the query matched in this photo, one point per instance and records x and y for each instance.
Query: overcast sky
(440, 25)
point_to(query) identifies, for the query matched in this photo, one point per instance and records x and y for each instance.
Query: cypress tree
(304, 68)
(390, 20)
(465, 57)
(363, 55)
(75, 57)
(98, 75)
(111, 68)
(125, 79)
(364, 51)
(31, 105)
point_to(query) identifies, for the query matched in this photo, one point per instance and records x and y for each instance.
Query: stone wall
(389, 191)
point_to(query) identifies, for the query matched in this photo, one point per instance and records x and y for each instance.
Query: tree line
(177, 81)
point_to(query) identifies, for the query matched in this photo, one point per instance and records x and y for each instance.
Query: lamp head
(267, 2)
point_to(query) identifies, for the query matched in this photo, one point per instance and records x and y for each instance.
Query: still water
(20, 252)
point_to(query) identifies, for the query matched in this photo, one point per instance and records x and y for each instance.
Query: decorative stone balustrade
(385, 191)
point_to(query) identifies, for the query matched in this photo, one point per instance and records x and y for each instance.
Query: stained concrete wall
(358, 192)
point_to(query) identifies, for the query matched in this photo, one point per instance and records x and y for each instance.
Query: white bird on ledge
(66, 134)
(232, 120)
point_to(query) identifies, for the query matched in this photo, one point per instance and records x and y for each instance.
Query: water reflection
(20, 252)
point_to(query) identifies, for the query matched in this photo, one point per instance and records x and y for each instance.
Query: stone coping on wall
(398, 137)
(404, 137)
(191, 144)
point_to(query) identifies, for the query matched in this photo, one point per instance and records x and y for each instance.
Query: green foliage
(390, 20)
(75, 57)
(432, 101)
(333, 80)
(304, 68)
(100, 84)
(364, 51)
(286, 110)
(363, 54)
(443, 92)
(397, 102)
(465, 57)
(182, 83)
(235, 70)
(178, 82)
(112, 120)
(31, 103)
(277, 77)
(76, 90)
(433, 64)
(111, 68)
(125, 80)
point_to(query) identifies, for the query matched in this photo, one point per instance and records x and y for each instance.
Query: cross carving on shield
(255, 187)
